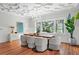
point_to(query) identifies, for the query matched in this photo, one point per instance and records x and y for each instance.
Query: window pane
(48, 26)
(59, 26)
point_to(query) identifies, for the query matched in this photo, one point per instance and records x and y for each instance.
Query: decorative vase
(72, 41)
(12, 29)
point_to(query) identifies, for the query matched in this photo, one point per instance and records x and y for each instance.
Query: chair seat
(31, 45)
(53, 46)
(41, 49)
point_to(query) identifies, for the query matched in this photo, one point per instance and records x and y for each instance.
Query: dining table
(44, 36)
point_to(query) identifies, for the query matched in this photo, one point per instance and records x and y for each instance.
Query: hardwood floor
(14, 48)
(67, 49)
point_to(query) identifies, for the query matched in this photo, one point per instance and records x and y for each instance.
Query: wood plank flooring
(67, 49)
(14, 48)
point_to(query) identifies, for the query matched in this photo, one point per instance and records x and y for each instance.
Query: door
(19, 27)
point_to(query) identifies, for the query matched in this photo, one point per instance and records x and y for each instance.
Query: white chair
(46, 34)
(23, 39)
(54, 44)
(41, 44)
(31, 41)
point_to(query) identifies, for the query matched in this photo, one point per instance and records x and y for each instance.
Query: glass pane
(59, 26)
(48, 26)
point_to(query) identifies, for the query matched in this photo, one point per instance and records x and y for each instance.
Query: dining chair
(54, 43)
(23, 40)
(30, 41)
(41, 44)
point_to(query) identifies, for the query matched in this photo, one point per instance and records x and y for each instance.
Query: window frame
(54, 25)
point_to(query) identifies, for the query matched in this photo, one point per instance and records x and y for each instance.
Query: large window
(50, 26)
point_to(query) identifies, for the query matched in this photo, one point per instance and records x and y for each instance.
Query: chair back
(41, 41)
(30, 39)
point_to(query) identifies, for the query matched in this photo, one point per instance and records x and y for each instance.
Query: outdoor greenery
(47, 26)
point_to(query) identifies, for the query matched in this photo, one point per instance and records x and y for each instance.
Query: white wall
(3, 34)
(30, 25)
(7, 20)
(76, 32)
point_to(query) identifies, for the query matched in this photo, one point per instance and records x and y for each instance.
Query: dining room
(39, 28)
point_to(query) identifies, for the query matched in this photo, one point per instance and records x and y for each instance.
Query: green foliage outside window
(47, 27)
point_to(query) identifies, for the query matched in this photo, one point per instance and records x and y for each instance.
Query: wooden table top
(40, 36)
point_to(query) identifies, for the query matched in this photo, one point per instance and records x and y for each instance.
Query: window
(50, 26)
(59, 26)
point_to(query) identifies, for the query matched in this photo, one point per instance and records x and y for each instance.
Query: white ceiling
(34, 9)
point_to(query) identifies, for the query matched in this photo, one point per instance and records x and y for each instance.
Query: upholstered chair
(41, 44)
(31, 41)
(23, 40)
(54, 43)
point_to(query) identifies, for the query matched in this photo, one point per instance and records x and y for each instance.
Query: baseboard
(8, 41)
(4, 42)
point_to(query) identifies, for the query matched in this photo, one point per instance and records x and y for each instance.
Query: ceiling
(34, 9)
